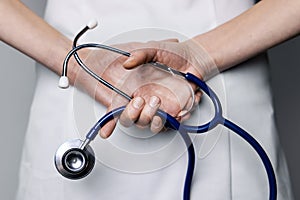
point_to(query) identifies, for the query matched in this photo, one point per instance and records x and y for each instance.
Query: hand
(158, 89)
(186, 57)
(146, 103)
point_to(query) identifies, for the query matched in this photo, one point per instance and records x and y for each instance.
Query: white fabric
(226, 168)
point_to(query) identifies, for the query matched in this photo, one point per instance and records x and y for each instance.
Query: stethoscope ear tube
(69, 168)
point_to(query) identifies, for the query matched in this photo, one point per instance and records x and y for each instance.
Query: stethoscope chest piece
(72, 161)
(75, 158)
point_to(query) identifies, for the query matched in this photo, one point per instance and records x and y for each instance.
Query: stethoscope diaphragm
(73, 162)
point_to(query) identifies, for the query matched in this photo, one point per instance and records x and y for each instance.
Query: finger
(191, 103)
(140, 57)
(185, 117)
(171, 40)
(132, 111)
(108, 129)
(146, 54)
(148, 111)
(197, 98)
(156, 124)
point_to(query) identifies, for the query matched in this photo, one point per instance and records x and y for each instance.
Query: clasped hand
(150, 88)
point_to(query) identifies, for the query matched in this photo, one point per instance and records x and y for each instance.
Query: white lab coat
(152, 167)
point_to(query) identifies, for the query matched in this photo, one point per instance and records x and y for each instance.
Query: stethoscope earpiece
(72, 161)
(92, 24)
(63, 82)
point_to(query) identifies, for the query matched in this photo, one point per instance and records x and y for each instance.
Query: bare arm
(30, 34)
(268, 23)
(27, 32)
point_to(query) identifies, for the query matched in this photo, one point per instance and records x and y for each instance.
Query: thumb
(145, 54)
(109, 127)
(170, 40)
(139, 57)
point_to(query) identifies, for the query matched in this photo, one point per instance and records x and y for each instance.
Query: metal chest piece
(73, 162)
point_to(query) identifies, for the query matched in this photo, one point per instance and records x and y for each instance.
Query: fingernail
(128, 61)
(182, 113)
(154, 101)
(103, 135)
(156, 122)
(138, 102)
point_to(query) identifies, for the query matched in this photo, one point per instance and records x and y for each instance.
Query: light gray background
(17, 85)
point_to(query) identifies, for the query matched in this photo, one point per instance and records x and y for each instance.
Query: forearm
(27, 32)
(261, 27)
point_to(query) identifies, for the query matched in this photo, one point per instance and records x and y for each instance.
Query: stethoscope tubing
(171, 122)
(262, 154)
(88, 70)
(218, 119)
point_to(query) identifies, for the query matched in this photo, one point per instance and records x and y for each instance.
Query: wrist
(201, 59)
(73, 67)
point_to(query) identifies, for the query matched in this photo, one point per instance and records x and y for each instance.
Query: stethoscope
(75, 158)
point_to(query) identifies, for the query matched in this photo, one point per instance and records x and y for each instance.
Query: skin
(45, 41)
(265, 25)
(268, 23)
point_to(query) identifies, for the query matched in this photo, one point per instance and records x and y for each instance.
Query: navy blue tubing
(171, 122)
(183, 129)
(219, 119)
(262, 154)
